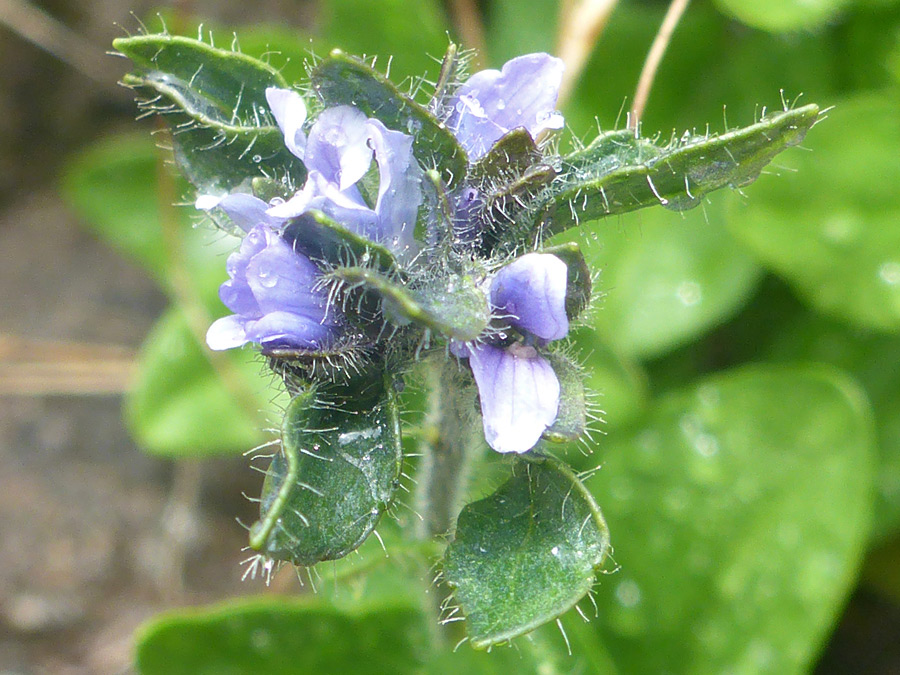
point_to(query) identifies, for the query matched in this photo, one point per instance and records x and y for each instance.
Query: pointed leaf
(526, 554)
(215, 103)
(335, 475)
(343, 80)
(677, 177)
(453, 306)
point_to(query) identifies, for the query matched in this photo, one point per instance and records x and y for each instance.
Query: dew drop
(257, 159)
(689, 293)
(628, 594)
(267, 279)
(889, 272)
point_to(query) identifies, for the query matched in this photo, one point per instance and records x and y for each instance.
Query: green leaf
(829, 227)
(215, 101)
(783, 15)
(281, 636)
(181, 406)
(743, 510)
(592, 185)
(617, 388)
(526, 554)
(344, 80)
(114, 186)
(335, 476)
(516, 27)
(453, 305)
(875, 361)
(667, 278)
(572, 418)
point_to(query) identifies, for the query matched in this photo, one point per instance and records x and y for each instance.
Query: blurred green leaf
(667, 277)
(731, 72)
(784, 15)
(829, 226)
(875, 361)
(180, 405)
(282, 636)
(526, 554)
(742, 511)
(408, 34)
(617, 388)
(114, 188)
(516, 27)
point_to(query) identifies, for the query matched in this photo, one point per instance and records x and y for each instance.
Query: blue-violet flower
(275, 298)
(518, 389)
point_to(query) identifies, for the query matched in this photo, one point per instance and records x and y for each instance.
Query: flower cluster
(283, 296)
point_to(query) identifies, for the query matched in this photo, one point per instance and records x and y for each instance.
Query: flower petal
(285, 329)
(284, 280)
(493, 102)
(531, 292)
(399, 185)
(519, 394)
(338, 146)
(227, 333)
(289, 111)
(245, 211)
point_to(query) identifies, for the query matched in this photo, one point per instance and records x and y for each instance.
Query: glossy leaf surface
(215, 101)
(335, 475)
(526, 554)
(743, 507)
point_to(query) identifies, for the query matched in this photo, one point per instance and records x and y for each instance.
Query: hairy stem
(449, 439)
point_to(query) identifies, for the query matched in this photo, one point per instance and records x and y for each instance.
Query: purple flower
(338, 153)
(518, 389)
(274, 295)
(494, 102)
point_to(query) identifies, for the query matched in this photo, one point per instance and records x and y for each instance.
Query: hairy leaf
(526, 554)
(618, 173)
(335, 475)
(215, 103)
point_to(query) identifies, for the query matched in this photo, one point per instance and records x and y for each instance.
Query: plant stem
(654, 57)
(449, 439)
